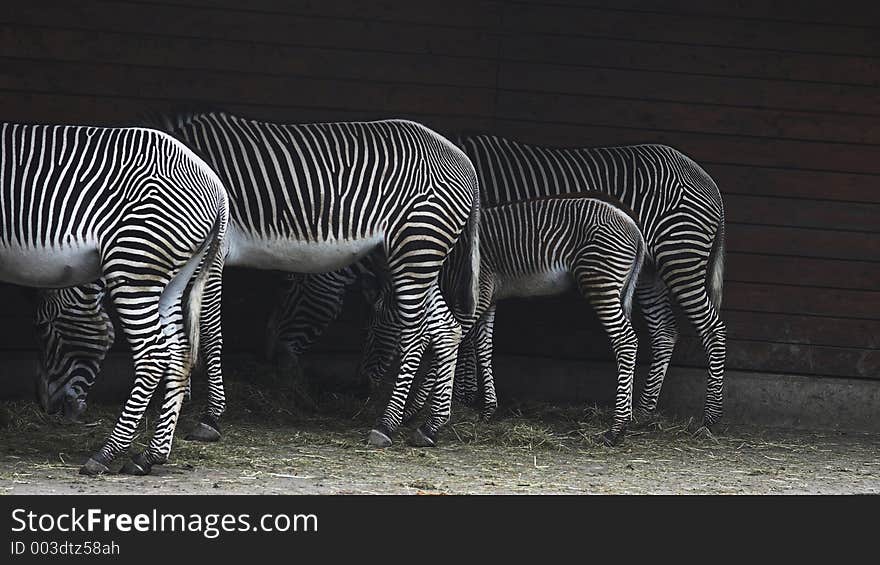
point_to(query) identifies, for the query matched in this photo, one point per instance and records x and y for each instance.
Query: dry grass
(282, 430)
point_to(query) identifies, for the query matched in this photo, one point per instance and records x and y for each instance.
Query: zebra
(680, 210)
(541, 247)
(74, 333)
(314, 198)
(676, 202)
(137, 208)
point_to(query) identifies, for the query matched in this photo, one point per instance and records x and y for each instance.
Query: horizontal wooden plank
(216, 87)
(108, 111)
(802, 213)
(686, 117)
(864, 304)
(769, 181)
(852, 13)
(585, 20)
(732, 150)
(455, 12)
(818, 243)
(693, 59)
(802, 271)
(584, 79)
(165, 20)
(571, 314)
(208, 54)
(586, 342)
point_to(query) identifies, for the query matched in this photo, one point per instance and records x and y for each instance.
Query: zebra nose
(73, 408)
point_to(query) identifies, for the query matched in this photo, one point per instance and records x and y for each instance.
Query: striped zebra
(675, 201)
(532, 248)
(319, 197)
(138, 208)
(74, 333)
(679, 208)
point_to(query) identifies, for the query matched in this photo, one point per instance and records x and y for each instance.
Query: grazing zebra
(542, 247)
(74, 333)
(138, 208)
(319, 197)
(675, 201)
(679, 208)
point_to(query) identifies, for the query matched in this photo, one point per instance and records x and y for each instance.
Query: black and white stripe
(679, 209)
(318, 197)
(138, 208)
(542, 247)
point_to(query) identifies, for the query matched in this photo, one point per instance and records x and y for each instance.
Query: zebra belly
(298, 256)
(50, 267)
(548, 283)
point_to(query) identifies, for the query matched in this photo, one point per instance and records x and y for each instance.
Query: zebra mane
(177, 118)
(587, 194)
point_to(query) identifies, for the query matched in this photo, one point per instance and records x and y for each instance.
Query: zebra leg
(705, 318)
(417, 402)
(657, 311)
(603, 290)
(485, 331)
(413, 344)
(153, 354)
(445, 338)
(175, 380)
(210, 327)
(465, 387)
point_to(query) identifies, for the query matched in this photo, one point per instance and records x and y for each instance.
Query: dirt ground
(270, 448)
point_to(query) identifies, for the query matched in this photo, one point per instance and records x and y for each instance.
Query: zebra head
(73, 342)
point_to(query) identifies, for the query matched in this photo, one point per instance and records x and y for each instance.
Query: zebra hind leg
(693, 298)
(603, 290)
(446, 336)
(208, 428)
(656, 309)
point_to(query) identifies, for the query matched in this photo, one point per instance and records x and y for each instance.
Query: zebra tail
(716, 269)
(193, 310)
(471, 282)
(629, 285)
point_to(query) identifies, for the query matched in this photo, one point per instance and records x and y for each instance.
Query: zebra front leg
(657, 311)
(485, 331)
(465, 385)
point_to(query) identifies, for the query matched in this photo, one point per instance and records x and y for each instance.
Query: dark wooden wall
(779, 101)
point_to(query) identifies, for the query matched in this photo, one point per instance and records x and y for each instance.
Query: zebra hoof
(93, 468)
(378, 439)
(204, 432)
(420, 438)
(137, 465)
(610, 438)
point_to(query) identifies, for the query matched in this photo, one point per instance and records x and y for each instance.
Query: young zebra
(318, 197)
(534, 248)
(138, 208)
